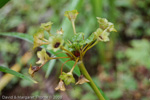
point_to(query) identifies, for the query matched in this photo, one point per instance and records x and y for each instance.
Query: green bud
(101, 35)
(71, 15)
(67, 78)
(46, 26)
(104, 24)
(38, 38)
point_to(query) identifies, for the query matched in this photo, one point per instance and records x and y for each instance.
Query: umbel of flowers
(75, 48)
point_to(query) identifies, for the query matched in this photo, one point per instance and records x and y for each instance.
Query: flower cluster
(74, 48)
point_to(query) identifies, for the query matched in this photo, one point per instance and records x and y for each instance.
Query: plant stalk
(92, 84)
(73, 25)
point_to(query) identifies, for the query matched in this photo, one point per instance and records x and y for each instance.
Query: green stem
(92, 84)
(73, 25)
(89, 47)
(68, 51)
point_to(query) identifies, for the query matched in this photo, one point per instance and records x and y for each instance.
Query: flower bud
(104, 24)
(33, 69)
(82, 80)
(60, 31)
(38, 38)
(71, 15)
(67, 78)
(60, 86)
(101, 35)
(46, 26)
(43, 56)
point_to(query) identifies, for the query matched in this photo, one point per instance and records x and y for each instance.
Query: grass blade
(7, 70)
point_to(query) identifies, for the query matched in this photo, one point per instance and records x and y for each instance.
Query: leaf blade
(3, 2)
(12, 72)
(23, 36)
(50, 67)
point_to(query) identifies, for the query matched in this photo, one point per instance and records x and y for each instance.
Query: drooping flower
(46, 26)
(101, 35)
(33, 69)
(38, 38)
(60, 86)
(82, 80)
(71, 15)
(67, 78)
(43, 56)
(55, 42)
(104, 24)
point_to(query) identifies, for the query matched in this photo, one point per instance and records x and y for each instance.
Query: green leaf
(88, 40)
(3, 2)
(7, 70)
(23, 36)
(115, 94)
(50, 67)
(136, 58)
(77, 37)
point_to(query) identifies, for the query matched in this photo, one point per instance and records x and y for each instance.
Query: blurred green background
(120, 67)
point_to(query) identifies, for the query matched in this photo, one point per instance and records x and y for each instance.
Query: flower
(67, 78)
(102, 35)
(60, 31)
(71, 15)
(82, 80)
(32, 70)
(38, 38)
(43, 56)
(104, 24)
(60, 86)
(46, 26)
(55, 42)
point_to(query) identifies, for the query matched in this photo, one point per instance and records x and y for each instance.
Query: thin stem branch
(68, 51)
(45, 43)
(89, 47)
(85, 46)
(59, 57)
(74, 65)
(43, 64)
(73, 25)
(92, 84)
(58, 53)
(63, 65)
(45, 40)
